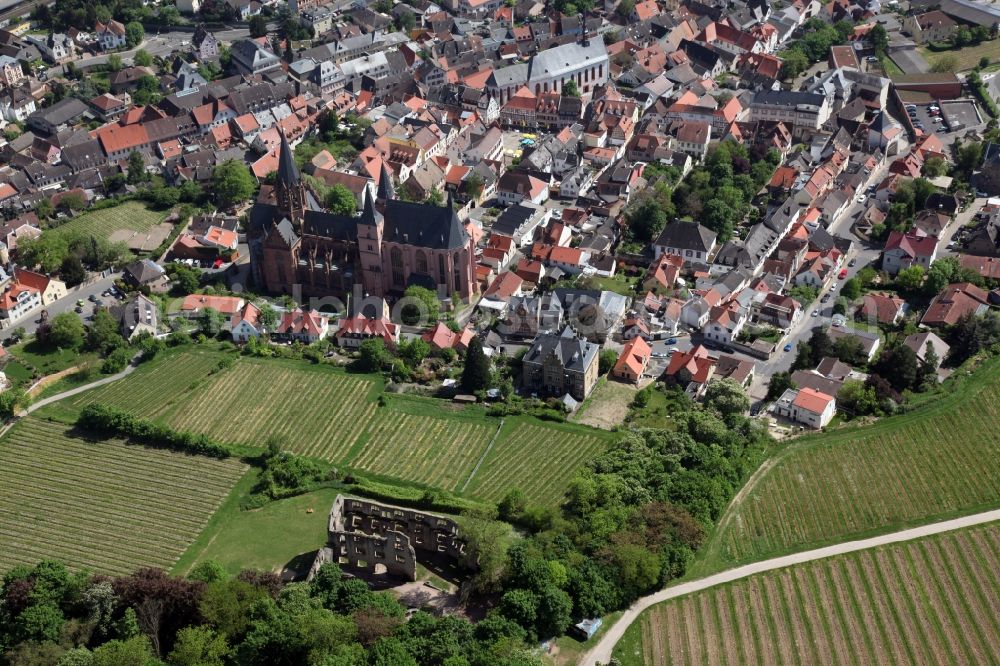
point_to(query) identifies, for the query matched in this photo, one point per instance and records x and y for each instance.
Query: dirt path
(601, 652)
(80, 389)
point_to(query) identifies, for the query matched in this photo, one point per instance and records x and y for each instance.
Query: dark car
(78, 310)
(92, 298)
(852, 263)
(826, 298)
(788, 347)
(672, 341)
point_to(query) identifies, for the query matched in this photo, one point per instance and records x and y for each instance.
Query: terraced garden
(131, 215)
(103, 506)
(940, 460)
(318, 412)
(931, 601)
(154, 387)
(331, 415)
(539, 460)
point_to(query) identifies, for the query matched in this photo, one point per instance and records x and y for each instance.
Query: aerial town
(394, 332)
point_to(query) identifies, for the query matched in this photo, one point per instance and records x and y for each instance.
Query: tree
(199, 646)
(132, 652)
(851, 289)
(232, 183)
(186, 278)
(258, 26)
(134, 34)
(114, 62)
(116, 361)
(414, 352)
(268, 317)
(625, 8)
(727, 397)
(879, 39)
(606, 361)
(910, 279)
(934, 167)
(374, 355)
(984, 62)
(570, 89)
(136, 168)
(849, 350)
(142, 58)
(210, 322)
(420, 306)
(476, 373)
(209, 571)
(72, 271)
(820, 345)
(104, 333)
(646, 221)
(72, 201)
(857, 399)
(340, 200)
(898, 366)
(970, 155)
(66, 331)
(778, 384)
(794, 62)
(406, 22)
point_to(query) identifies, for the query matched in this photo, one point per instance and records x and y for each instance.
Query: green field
(939, 460)
(103, 506)
(329, 414)
(102, 223)
(931, 601)
(966, 57)
(267, 538)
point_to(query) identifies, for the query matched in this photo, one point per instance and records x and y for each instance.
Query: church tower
(370, 230)
(289, 191)
(385, 189)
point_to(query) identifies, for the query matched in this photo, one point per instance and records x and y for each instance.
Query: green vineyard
(939, 460)
(103, 506)
(930, 601)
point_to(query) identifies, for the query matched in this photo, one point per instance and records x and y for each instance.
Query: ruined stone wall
(367, 535)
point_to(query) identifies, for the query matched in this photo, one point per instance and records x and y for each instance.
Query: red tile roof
(812, 400)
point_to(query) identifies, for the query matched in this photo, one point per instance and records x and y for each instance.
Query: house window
(442, 275)
(396, 259)
(457, 268)
(421, 262)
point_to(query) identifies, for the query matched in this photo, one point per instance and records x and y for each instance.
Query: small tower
(289, 191)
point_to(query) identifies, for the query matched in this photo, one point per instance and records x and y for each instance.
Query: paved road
(129, 369)
(67, 304)
(601, 652)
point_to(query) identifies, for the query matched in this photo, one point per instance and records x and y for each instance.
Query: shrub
(116, 360)
(116, 422)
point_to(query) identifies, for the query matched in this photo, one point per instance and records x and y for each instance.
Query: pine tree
(476, 374)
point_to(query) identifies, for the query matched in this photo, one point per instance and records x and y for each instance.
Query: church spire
(289, 192)
(385, 188)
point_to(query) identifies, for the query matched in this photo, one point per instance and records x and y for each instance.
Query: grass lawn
(569, 650)
(45, 360)
(968, 56)
(656, 412)
(939, 460)
(889, 68)
(102, 223)
(607, 405)
(18, 374)
(267, 538)
(618, 283)
(930, 601)
(105, 506)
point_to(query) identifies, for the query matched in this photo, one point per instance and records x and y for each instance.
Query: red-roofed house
(354, 331)
(246, 324)
(195, 304)
(300, 325)
(954, 302)
(506, 284)
(690, 370)
(903, 250)
(634, 360)
(442, 337)
(885, 309)
(49, 289)
(806, 406)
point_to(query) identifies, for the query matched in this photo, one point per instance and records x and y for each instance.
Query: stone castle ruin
(382, 539)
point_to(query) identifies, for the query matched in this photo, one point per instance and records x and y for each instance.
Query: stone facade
(383, 539)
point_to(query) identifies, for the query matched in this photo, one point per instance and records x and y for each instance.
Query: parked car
(815, 313)
(842, 275)
(853, 262)
(825, 299)
(788, 347)
(672, 341)
(92, 298)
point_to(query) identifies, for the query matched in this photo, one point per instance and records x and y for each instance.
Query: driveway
(601, 652)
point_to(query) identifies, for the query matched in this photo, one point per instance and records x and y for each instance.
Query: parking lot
(960, 114)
